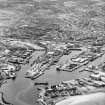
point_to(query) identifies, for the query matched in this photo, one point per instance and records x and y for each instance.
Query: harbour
(52, 52)
(23, 94)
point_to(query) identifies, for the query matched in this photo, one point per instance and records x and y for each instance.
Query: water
(23, 92)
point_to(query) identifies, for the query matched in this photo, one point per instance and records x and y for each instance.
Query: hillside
(52, 19)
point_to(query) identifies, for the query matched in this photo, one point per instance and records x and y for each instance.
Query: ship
(66, 67)
(71, 67)
(36, 83)
(34, 72)
(36, 75)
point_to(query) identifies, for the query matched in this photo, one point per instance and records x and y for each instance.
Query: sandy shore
(90, 99)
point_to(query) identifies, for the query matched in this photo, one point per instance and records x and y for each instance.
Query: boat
(35, 75)
(39, 88)
(75, 49)
(71, 67)
(53, 61)
(34, 72)
(36, 83)
(18, 67)
(68, 68)
(86, 69)
(67, 52)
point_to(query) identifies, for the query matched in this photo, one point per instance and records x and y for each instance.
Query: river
(22, 90)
